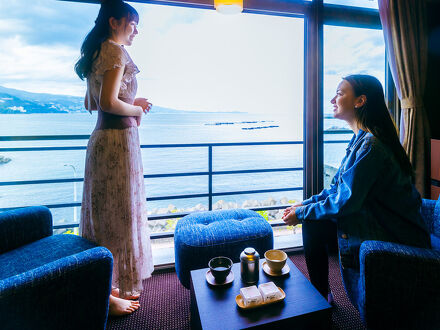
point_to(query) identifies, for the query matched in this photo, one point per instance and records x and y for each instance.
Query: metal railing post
(210, 177)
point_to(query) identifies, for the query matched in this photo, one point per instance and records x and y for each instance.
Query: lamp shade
(228, 6)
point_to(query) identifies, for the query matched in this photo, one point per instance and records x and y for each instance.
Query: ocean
(163, 128)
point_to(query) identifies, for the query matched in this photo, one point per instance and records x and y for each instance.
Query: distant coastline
(15, 101)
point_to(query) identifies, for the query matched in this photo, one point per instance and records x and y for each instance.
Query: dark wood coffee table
(215, 307)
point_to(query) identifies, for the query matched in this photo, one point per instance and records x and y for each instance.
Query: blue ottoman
(204, 235)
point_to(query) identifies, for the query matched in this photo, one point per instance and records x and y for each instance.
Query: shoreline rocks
(169, 224)
(269, 215)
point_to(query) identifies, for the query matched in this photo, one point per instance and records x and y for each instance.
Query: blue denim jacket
(370, 198)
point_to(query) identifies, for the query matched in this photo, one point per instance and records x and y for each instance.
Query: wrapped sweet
(251, 296)
(269, 291)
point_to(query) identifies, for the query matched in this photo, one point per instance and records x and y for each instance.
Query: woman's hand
(287, 211)
(290, 218)
(290, 208)
(143, 103)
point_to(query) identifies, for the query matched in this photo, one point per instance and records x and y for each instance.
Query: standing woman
(113, 212)
(372, 196)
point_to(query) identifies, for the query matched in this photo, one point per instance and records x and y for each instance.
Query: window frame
(316, 14)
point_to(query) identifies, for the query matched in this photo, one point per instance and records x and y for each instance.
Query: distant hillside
(15, 101)
(18, 101)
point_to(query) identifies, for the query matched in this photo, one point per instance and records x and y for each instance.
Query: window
(212, 79)
(346, 51)
(234, 79)
(40, 95)
(355, 3)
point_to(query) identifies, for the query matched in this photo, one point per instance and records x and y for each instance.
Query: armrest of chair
(398, 277)
(69, 293)
(384, 259)
(22, 226)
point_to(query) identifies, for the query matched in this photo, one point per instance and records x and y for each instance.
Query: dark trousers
(319, 239)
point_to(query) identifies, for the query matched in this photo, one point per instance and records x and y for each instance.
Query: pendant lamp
(229, 6)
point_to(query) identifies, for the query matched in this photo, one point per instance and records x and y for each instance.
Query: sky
(348, 51)
(190, 59)
(357, 3)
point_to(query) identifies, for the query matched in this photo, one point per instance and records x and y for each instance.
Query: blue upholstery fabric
(431, 213)
(398, 286)
(22, 226)
(41, 252)
(204, 235)
(55, 282)
(435, 242)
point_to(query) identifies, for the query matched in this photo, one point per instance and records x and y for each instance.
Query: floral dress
(113, 212)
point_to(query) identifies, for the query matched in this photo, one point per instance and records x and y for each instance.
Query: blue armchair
(50, 281)
(399, 285)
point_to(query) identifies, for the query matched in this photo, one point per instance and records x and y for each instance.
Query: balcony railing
(210, 173)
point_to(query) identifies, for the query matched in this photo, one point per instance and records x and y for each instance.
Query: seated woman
(372, 196)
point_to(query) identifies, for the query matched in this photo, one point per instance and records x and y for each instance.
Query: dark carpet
(165, 303)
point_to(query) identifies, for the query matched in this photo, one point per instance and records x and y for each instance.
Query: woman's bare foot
(119, 307)
(115, 293)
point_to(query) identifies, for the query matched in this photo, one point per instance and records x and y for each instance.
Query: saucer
(211, 280)
(285, 270)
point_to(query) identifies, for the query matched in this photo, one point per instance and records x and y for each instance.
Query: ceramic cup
(275, 259)
(220, 268)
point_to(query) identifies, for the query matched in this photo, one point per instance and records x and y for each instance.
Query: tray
(240, 304)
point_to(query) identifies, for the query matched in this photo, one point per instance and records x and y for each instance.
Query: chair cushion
(41, 252)
(203, 235)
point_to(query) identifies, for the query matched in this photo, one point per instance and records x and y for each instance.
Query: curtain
(404, 24)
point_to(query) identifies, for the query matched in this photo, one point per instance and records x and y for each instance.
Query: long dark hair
(374, 117)
(91, 46)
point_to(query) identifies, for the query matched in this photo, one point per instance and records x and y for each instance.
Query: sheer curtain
(404, 26)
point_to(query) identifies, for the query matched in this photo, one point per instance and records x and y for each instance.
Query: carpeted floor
(165, 303)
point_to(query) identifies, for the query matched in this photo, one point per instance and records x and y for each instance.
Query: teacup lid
(249, 251)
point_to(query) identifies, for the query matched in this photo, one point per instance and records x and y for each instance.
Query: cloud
(165, 18)
(350, 51)
(220, 63)
(39, 68)
(40, 42)
(47, 22)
